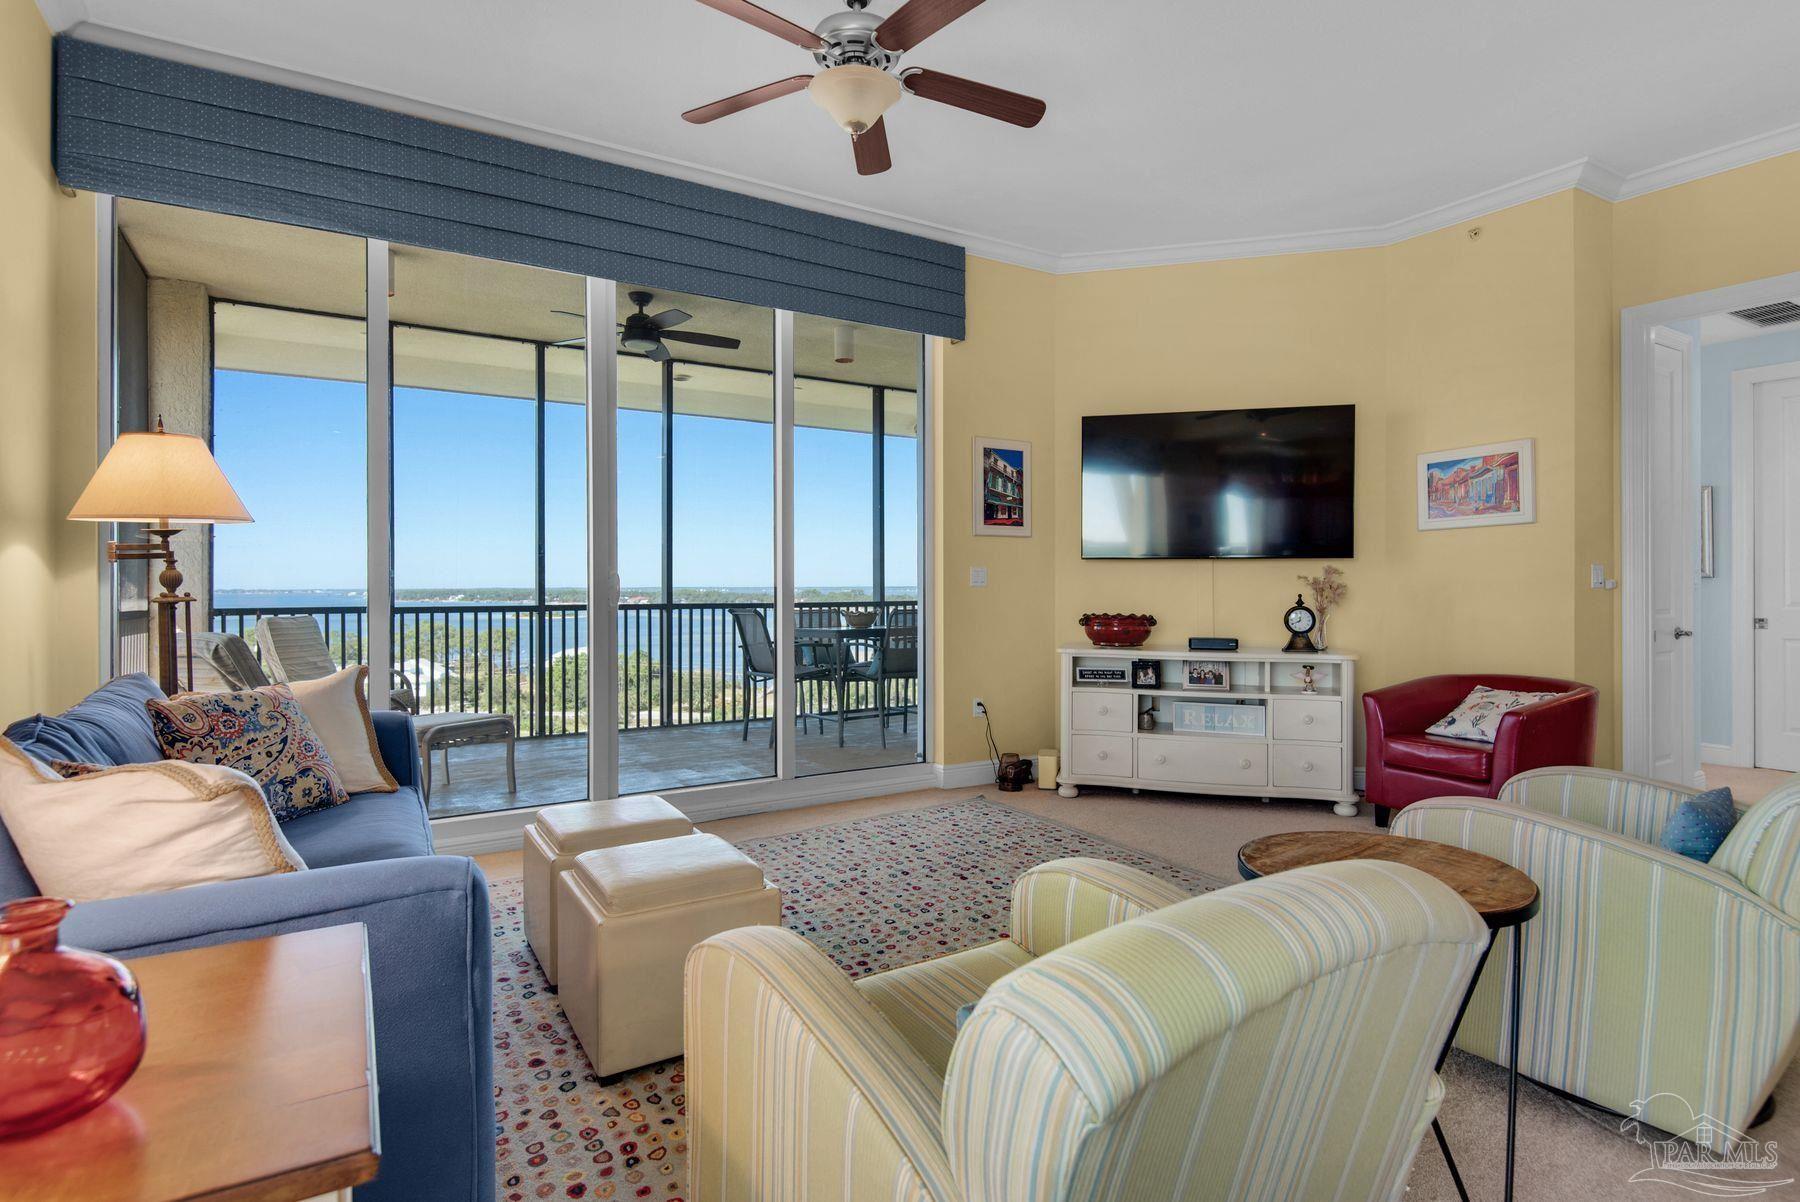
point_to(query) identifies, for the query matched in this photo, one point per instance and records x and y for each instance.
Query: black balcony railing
(680, 664)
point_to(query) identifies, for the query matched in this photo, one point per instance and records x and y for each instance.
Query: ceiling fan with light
(642, 334)
(860, 53)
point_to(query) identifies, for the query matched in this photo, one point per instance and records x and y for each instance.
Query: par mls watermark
(1747, 1168)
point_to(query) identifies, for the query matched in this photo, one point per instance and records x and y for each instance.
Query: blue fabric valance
(145, 127)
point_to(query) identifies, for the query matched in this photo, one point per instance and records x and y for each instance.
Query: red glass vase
(71, 1024)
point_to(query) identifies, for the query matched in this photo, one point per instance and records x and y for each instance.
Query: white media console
(1261, 736)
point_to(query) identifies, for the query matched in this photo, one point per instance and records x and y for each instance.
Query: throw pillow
(1478, 717)
(138, 828)
(264, 734)
(1699, 825)
(339, 711)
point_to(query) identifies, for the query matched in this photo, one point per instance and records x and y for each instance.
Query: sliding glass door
(857, 518)
(489, 598)
(687, 555)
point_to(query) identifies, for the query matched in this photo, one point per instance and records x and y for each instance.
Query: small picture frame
(1146, 673)
(1489, 485)
(1213, 674)
(1002, 480)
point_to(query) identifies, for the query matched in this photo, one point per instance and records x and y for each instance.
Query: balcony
(683, 698)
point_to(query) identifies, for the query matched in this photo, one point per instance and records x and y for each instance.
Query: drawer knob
(1244, 762)
(1162, 759)
(1104, 710)
(1306, 765)
(1305, 721)
(1102, 755)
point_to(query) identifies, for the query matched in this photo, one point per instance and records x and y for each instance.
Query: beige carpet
(1566, 1151)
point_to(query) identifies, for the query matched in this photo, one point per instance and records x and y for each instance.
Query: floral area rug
(873, 893)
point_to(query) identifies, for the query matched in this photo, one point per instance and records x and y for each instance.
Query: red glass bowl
(71, 1022)
(1117, 630)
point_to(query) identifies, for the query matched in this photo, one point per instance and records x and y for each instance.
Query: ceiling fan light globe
(855, 95)
(640, 344)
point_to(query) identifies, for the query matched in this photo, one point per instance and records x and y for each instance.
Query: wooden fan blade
(744, 100)
(872, 157)
(670, 317)
(714, 340)
(768, 22)
(981, 98)
(917, 20)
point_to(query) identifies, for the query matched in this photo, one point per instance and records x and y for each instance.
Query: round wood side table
(1504, 897)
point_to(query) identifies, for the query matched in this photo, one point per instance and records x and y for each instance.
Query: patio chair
(759, 664)
(224, 663)
(896, 658)
(293, 647)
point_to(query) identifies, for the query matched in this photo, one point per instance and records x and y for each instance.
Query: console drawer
(1297, 766)
(1094, 709)
(1221, 761)
(1315, 719)
(1100, 755)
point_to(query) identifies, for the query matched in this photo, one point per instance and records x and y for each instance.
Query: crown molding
(1586, 174)
(1729, 157)
(61, 15)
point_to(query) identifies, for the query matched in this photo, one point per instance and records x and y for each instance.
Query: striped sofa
(1653, 983)
(1271, 1040)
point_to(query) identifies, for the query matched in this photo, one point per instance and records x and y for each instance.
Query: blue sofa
(369, 861)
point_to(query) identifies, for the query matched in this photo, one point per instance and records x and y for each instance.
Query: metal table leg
(1512, 1056)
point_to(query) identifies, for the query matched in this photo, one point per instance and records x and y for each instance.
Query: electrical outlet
(980, 708)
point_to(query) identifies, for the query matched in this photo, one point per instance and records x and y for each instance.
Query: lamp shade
(855, 95)
(155, 478)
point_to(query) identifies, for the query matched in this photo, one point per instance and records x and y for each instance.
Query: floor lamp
(163, 481)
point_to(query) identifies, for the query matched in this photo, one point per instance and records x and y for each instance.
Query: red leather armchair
(1404, 764)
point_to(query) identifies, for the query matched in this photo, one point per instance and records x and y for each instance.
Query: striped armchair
(1272, 1040)
(1650, 977)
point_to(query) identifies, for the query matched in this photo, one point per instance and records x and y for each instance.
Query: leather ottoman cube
(627, 917)
(560, 833)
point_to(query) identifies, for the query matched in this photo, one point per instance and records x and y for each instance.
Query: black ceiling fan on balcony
(861, 79)
(642, 334)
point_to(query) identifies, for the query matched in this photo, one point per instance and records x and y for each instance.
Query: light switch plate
(977, 577)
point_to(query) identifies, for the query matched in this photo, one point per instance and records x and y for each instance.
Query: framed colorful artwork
(1490, 485)
(1002, 501)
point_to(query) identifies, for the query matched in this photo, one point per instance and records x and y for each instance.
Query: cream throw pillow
(1478, 717)
(339, 713)
(139, 828)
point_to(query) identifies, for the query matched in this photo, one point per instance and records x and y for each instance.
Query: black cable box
(1212, 644)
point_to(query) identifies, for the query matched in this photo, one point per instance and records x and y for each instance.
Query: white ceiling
(1177, 129)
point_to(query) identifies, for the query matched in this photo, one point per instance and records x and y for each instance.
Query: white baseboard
(479, 834)
(1724, 754)
(965, 776)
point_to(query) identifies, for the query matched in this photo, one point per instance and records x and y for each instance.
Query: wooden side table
(258, 1084)
(1504, 897)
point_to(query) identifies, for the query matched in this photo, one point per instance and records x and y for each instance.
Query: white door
(1776, 640)
(1674, 741)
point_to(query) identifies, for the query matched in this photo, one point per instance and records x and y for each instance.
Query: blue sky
(464, 494)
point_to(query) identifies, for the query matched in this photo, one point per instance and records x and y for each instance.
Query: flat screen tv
(1225, 484)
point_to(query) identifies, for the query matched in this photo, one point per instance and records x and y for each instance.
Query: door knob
(1683, 634)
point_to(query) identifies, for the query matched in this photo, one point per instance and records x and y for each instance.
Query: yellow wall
(1441, 341)
(48, 593)
(998, 384)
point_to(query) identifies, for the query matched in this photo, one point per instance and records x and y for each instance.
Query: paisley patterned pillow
(260, 732)
(1478, 717)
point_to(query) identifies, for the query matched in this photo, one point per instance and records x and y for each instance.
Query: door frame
(1744, 506)
(1636, 372)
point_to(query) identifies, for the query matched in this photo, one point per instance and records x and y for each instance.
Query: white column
(603, 548)
(379, 406)
(784, 544)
